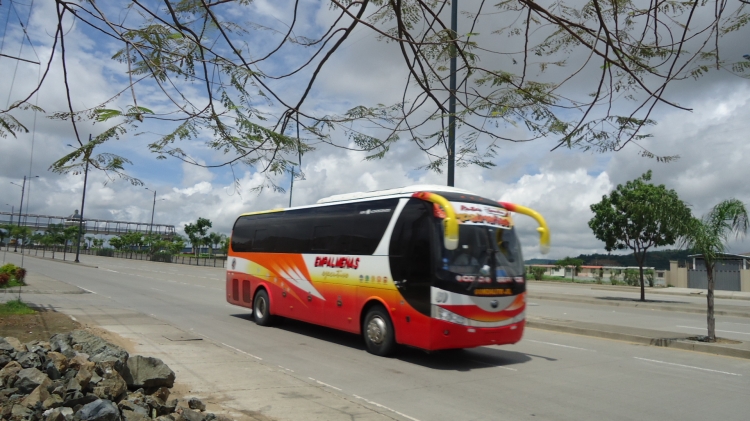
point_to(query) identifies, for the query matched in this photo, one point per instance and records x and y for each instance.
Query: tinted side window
(352, 228)
(242, 234)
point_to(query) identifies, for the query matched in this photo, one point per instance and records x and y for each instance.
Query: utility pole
(452, 99)
(86, 156)
(291, 187)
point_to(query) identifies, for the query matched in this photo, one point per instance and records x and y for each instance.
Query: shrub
(162, 256)
(106, 252)
(632, 277)
(4, 279)
(537, 272)
(20, 274)
(8, 268)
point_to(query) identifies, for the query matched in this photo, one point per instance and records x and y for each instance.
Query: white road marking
(492, 365)
(241, 351)
(688, 366)
(724, 331)
(560, 345)
(733, 323)
(88, 290)
(324, 384)
(385, 407)
(157, 289)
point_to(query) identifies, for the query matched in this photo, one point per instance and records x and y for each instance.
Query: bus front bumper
(446, 335)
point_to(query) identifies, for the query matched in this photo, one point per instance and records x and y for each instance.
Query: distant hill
(540, 262)
(656, 259)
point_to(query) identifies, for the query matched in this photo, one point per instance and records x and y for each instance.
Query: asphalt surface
(547, 375)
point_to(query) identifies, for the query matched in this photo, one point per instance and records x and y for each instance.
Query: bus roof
(392, 192)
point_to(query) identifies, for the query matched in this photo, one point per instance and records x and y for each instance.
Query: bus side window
(242, 235)
(261, 241)
(322, 238)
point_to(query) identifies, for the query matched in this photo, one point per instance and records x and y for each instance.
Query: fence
(59, 253)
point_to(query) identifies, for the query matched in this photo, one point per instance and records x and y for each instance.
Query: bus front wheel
(378, 332)
(262, 308)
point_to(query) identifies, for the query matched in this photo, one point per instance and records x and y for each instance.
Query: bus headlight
(443, 314)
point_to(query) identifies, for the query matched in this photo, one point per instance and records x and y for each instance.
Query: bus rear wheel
(262, 308)
(377, 329)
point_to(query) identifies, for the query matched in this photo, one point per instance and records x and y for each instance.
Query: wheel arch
(373, 302)
(263, 287)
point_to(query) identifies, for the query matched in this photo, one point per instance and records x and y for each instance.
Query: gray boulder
(190, 415)
(134, 416)
(9, 373)
(29, 379)
(111, 386)
(98, 410)
(29, 359)
(98, 349)
(6, 347)
(147, 372)
(61, 343)
(195, 403)
(4, 360)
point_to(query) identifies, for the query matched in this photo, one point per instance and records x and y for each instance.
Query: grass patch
(15, 307)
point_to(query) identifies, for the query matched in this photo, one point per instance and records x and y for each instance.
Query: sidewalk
(729, 348)
(40, 284)
(688, 292)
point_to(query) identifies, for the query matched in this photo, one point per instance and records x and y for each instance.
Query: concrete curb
(62, 261)
(636, 304)
(668, 342)
(649, 290)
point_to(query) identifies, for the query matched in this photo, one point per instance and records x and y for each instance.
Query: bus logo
(337, 262)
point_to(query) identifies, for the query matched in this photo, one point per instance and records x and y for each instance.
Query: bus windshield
(484, 251)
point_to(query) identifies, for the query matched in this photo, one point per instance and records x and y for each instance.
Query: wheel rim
(260, 307)
(376, 330)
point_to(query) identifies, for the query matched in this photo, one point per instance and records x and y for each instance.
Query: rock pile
(78, 376)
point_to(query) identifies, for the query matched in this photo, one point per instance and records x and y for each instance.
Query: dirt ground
(38, 326)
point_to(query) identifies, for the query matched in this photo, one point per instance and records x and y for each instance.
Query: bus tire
(378, 332)
(262, 308)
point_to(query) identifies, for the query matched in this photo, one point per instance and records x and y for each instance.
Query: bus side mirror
(543, 229)
(450, 223)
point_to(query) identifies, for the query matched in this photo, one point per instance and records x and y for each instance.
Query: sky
(711, 141)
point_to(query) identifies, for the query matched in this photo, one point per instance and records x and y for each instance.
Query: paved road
(546, 376)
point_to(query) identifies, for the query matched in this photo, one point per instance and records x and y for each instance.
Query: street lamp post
(23, 189)
(153, 208)
(86, 156)
(291, 186)
(10, 224)
(452, 98)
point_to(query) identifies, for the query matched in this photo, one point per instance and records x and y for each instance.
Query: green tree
(197, 232)
(571, 262)
(215, 239)
(626, 48)
(89, 240)
(640, 215)
(117, 242)
(708, 236)
(69, 234)
(55, 235)
(4, 233)
(177, 244)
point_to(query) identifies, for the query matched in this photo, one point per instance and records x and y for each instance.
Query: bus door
(412, 264)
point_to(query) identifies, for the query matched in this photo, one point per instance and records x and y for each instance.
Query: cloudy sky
(711, 142)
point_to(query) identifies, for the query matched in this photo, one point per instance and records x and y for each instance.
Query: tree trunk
(710, 297)
(643, 287)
